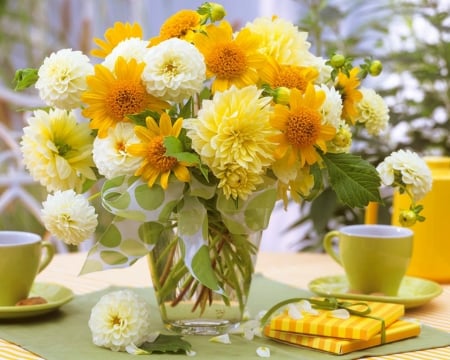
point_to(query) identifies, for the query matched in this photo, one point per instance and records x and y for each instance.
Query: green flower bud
(281, 95)
(375, 68)
(217, 12)
(407, 218)
(343, 138)
(211, 11)
(337, 60)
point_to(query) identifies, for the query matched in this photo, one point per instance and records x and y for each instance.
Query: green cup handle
(328, 245)
(47, 254)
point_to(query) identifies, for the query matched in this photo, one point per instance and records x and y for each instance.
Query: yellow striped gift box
(399, 330)
(355, 327)
(11, 351)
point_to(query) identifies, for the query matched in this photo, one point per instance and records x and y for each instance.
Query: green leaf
(355, 181)
(174, 148)
(193, 231)
(173, 145)
(167, 344)
(187, 110)
(24, 78)
(139, 119)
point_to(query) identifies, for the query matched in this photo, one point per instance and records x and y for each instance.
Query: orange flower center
(303, 127)
(290, 77)
(121, 147)
(124, 98)
(227, 61)
(156, 158)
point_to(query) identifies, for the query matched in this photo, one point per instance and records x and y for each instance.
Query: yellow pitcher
(431, 249)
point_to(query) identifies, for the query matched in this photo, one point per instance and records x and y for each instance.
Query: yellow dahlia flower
(281, 40)
(57, 150)
(233, 131)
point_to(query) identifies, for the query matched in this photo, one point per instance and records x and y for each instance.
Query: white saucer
(413, 291)
(56, 296)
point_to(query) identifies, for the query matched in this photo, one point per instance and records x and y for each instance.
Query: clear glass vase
(188, 307)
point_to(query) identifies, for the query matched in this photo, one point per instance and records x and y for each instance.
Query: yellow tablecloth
(295, 269)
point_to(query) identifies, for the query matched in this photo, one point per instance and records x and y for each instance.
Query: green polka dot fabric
(142, 214)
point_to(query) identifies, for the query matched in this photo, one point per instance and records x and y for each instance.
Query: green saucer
(56, 296)
(413, 291)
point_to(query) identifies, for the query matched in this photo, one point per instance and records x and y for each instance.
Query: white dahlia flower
(132, 48)
(120, 319)
(373, 112)
(69, 217)
(111, 155)
(331, 109)
(174, 71)
(406, 169)
(62, 78)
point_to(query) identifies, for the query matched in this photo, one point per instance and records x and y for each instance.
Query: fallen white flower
(120, 319)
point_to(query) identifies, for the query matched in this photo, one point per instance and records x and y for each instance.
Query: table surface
(295, 269)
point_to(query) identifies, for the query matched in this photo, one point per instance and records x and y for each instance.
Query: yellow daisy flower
(111, 96)
(114, 35)
(232, 61)
(289, 76)
(180, 25)
(155, 163)
(301, 127)
(348, 87)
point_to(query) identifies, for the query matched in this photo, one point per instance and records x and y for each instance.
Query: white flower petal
(134, 350)
(152, 336)
(306, 306)
(249, 334)
(223, 339)
(294, 312)
(263, 351)
(340, 314)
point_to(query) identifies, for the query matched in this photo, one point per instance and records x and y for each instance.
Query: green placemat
(65, 334)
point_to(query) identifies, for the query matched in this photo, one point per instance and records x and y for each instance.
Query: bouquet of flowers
(197, 132)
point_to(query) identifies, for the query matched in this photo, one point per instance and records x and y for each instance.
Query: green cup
(374, 257)
(22, 256)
